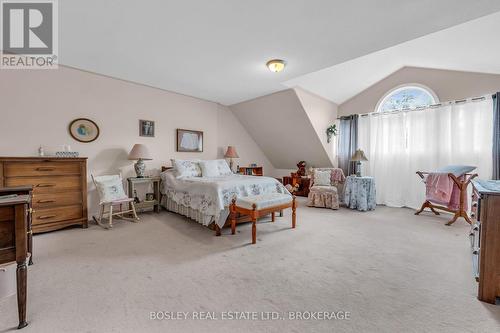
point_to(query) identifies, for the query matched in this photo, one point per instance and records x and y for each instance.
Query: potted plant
(331, 130)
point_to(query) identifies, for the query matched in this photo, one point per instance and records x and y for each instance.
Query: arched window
(411, 96)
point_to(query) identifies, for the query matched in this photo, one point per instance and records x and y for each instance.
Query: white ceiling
(217, 49)
(466, 47)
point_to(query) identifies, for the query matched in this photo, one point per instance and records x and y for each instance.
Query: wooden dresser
(59, 189)
(485, 239)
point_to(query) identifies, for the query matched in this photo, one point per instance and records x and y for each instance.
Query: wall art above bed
(189, 141)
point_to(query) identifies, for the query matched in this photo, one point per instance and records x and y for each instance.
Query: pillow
(209, 168)
(186, 168)
(223, 167)
(110, 188)
(322, 178)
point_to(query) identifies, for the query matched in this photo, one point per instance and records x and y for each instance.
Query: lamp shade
(231, 152)
(139, 152)
(359, 155)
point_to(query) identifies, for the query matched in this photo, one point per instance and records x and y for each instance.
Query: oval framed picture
(83, 130)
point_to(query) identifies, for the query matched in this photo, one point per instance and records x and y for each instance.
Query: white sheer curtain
(399, 144)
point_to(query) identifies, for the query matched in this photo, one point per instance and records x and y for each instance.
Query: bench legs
(254, 214)
(233, 216)
(254, 230)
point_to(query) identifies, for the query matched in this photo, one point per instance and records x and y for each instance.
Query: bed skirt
(193, 214)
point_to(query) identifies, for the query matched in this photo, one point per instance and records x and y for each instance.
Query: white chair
(111, 193)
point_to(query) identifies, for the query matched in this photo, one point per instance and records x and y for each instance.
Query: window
(407, 97)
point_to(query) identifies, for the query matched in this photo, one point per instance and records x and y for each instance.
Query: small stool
(259, 205)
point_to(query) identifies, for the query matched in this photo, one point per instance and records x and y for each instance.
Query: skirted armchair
(325, 188)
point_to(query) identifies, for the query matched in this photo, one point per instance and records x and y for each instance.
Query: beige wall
(448, 85)
(282, 129)
(232, 133)
(37, 106)
(322, 113)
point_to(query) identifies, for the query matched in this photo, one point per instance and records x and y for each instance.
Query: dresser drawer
(45, 200)
(47, 184)
(48, 215)
(23, 169)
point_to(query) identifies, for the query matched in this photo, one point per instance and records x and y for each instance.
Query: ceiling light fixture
(276, 65)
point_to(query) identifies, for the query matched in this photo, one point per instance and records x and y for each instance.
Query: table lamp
(358, 156)
(140, 153)
(231, 153)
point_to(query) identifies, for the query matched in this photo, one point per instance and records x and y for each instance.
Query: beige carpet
(393, 271)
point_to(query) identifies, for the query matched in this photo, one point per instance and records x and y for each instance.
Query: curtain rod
(423, 108)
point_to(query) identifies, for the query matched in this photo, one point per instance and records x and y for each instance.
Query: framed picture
(189, 141)
(83, 130)
(147, 128)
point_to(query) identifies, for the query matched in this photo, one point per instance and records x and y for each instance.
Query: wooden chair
(115, 184)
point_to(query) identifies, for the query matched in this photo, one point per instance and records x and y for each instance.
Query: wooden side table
(303, 182)
(145, 204)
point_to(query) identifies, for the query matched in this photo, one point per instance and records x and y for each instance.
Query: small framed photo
(147, 128)
(189, 141)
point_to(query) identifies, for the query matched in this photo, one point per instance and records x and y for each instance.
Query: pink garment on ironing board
(455, 196)
(442, 190)
(438, 188)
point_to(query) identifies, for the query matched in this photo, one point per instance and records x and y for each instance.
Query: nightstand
(145, 204)
(360, 193)
(304, 184)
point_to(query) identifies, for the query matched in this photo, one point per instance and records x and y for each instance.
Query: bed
(207, 199)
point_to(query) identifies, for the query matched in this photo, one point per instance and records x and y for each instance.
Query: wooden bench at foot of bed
(260, 205)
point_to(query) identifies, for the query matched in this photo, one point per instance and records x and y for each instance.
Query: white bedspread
(212, 195)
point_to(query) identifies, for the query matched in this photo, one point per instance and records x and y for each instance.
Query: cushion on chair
(321, 188)
(322, 177)
(263, 201)
(110, 188)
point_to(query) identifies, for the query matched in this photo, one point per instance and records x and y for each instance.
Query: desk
(360, 193)
(14, 222)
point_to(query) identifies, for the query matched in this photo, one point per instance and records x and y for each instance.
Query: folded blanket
(439, 188)
(442, 190)
(455, 196)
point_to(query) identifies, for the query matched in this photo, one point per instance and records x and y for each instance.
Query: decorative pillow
(223, 167)
(110, 188)
(187, 168)
(209, 168)
(322, 178)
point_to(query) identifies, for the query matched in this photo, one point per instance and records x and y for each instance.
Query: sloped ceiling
(466, 47)
(216, 50)
(282, 129)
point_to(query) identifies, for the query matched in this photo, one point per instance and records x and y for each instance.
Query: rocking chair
(111, 194)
